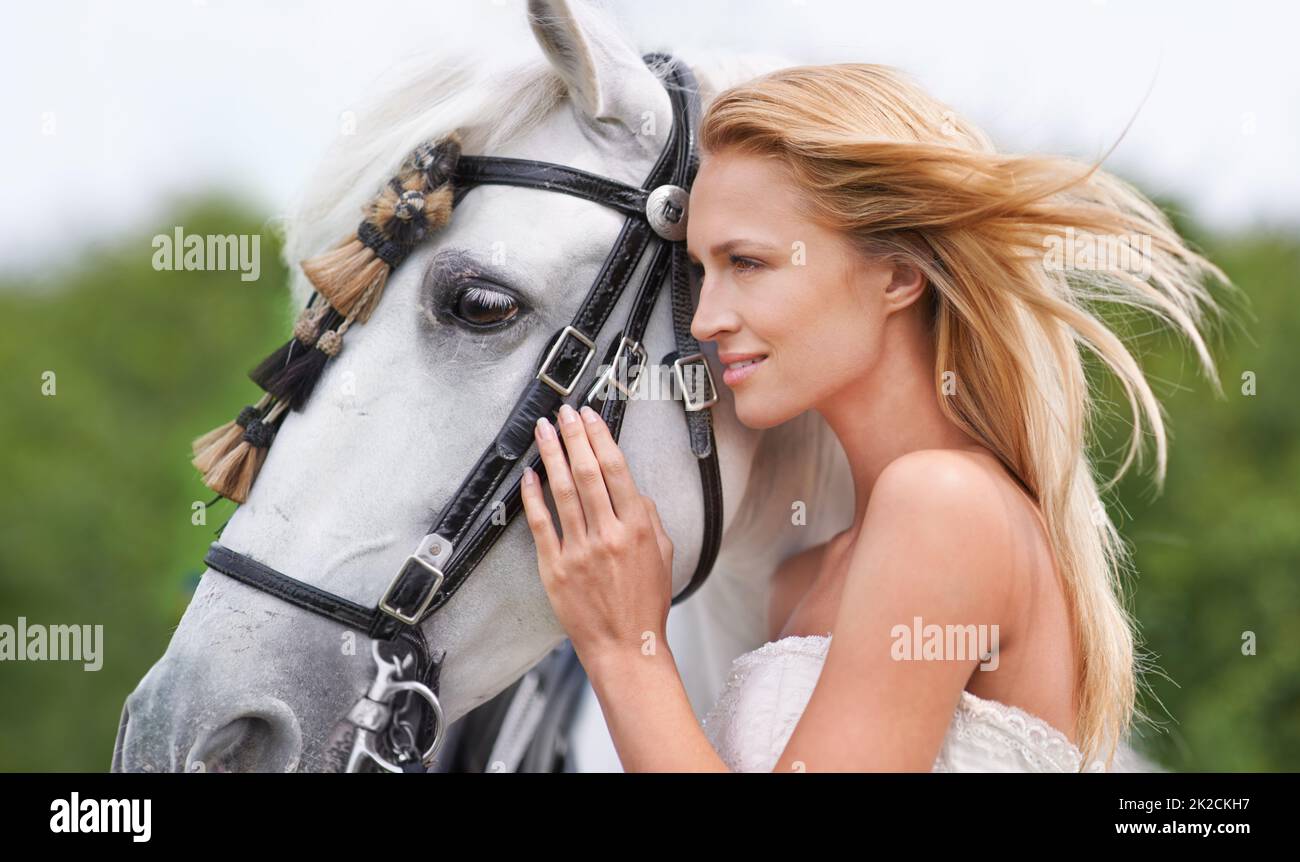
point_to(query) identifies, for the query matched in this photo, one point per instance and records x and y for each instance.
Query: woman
(931, 299)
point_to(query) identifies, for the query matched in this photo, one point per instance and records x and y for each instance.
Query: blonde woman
(866, 254)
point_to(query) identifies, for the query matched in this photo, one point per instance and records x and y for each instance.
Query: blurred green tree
(95, 513)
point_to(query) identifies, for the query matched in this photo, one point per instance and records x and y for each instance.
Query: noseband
(458, 540)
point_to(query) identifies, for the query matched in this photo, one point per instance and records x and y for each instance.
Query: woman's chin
(749, 413)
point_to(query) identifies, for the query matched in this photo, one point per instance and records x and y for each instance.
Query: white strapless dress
(768, 688)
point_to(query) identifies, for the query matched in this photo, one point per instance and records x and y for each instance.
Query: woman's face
(779, 286)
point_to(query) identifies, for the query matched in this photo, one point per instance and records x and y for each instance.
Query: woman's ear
(906, 285)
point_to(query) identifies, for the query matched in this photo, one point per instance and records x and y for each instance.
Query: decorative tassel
(295, 383)
(232, 477)
(346, 273)
(307, 329)
(290, 374)
(214, 445)
(412, 204)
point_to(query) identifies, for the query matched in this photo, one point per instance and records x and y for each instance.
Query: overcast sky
(111, 110)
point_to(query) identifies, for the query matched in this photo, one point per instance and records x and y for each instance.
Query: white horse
(250, 682)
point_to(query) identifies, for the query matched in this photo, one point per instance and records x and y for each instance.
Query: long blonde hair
(907, 179)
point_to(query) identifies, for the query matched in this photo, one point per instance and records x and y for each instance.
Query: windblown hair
(905, 179)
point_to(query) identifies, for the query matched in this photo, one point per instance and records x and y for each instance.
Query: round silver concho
(666, 210)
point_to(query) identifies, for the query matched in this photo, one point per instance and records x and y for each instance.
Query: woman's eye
(484, 307)
(744, 264)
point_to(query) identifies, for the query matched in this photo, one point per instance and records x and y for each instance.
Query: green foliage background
(96, 491)
(96, 488)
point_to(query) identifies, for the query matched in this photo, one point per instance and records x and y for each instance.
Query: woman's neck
(892, 410)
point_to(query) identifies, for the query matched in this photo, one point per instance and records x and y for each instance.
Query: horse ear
(605, 75)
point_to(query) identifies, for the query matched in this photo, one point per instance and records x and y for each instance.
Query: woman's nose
(711, 316)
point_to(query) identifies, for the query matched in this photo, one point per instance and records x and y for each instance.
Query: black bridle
(454, 545)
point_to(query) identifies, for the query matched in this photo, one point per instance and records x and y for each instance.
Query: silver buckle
(693, 406)
(431, 549)
(610, 377)
(550, 381)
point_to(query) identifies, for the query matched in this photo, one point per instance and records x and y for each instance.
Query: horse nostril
(264, 740)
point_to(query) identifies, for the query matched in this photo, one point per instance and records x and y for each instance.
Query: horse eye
(482, 307)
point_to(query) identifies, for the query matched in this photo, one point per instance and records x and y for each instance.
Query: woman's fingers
(539, 517)
(587, 475)
(661, 535)
(565, 493)
(613, 466)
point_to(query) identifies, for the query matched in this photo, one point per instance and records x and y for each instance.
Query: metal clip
(373, 712)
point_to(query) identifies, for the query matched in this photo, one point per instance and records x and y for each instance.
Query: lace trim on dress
(810, 645)
(1001, 728)
(991, 725)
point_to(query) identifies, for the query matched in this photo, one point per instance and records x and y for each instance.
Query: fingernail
(567, 414)
(529, 476)
(544, 428)
(590, 415)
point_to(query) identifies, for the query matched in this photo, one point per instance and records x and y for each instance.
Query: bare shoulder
(937, 475)
(960, 488)
(938, 528)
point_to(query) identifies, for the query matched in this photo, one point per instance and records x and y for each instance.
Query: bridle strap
(699, 416)
(304, 595)
(474, 171)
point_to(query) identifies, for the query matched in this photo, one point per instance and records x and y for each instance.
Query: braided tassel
(412, 204)
(305, 331)
(232, 477)
(291, 372)
(213, 446)
(295, 382)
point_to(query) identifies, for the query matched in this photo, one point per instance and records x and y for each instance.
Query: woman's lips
(733, 375)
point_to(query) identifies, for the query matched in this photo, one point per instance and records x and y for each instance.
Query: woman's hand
(609, 578)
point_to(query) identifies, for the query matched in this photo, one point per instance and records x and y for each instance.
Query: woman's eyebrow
(725, 247)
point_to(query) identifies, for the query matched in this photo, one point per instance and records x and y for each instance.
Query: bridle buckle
(611, 375)
(422, 564)
(711, 398)
(543, 373)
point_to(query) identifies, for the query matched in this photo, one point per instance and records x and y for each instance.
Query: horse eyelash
(486, 297)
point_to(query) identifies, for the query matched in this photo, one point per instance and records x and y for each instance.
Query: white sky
(149, 100)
